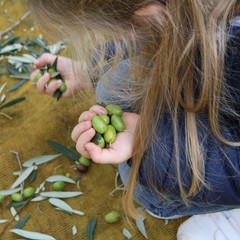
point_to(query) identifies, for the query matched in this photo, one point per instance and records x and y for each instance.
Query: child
(174, 67)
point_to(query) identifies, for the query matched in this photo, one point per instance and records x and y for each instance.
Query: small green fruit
(112, 217)
(63, 87)
(85, 161)
(98, 139)
(17, 197)
(58, 186)
(110, 135)
(99, 124)
(118, 123)
(37, 77)
(114, 109)
(2, 198)
(28, 192)
(51, 70)
(106, 118)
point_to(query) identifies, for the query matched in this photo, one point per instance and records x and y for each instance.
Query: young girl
(174, 67)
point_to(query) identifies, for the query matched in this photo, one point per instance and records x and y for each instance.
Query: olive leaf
(90, 228)
(38, 199)
(11, 48)
(60, 204)
(9, 191)
(40, 160)
(20, 59)
(17, 85)
(21, 223)
(32, 235)
(12, 102)
(74, 230)
(21, 75)
(17, 204)
(3, 220)
(126, 233)
(9, 41)
(141, 226)
(14, 213)
(60, 194)
(24, 175)
(61, 178)
(65, 151)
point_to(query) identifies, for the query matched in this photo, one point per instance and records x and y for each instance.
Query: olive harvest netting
(26, 128)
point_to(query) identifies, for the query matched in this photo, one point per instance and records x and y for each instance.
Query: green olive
(1, 198)
(106, 118)
(51, 70)
(28, 192)
(63, 87)
(17, 197)
(118, 123)
(98, 124)
(98, 139)
(58, 186)
(110, 135)
(85, 161)
(112, 217)
(114, 109)
(37, 77)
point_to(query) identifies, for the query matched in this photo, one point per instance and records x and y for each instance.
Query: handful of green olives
(54, 76)
(108, 125)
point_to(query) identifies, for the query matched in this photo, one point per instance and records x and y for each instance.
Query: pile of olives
(106, 126)
(55, 75)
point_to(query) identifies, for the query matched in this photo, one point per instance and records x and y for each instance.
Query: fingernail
(59, 82)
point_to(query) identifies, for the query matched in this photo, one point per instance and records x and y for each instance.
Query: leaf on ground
(21, 223)
(9, 191)
(60, 204)
(56, 194)
(56, 178)
(32, 235)
(62, 149)
(40, 160)
(24, 175)
(90, 228)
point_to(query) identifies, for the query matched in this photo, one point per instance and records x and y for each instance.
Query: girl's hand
(65, 68)
(119, 151)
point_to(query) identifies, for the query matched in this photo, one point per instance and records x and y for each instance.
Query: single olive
(118, 123)
(106, 118)
(114, 109)
(17, 197)
(2, 198)
(99, 124)
(81, 168)
(112, 217)
(85, 161)
(63, 87)
(28, 192)
(110, 135)
(51, 70)
(68, 175)
(98, 139)
(59, 185)
(37, 77)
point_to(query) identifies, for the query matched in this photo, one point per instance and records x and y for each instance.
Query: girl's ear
(151, 9)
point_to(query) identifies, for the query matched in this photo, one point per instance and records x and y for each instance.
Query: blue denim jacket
(222, 162)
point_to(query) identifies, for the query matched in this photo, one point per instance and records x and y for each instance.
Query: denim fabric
(170, 206)
(222, 164)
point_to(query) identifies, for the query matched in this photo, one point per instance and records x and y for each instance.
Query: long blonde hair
(165, 78)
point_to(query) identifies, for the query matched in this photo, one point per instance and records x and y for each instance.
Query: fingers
(79, 129)
(83, 139)
(46, 58)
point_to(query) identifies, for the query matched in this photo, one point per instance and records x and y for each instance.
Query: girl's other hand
(65, 68)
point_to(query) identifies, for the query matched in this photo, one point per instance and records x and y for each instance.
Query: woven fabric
(40, 118)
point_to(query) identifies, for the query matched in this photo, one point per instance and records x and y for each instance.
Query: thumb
(97, 154)
(46, 58)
